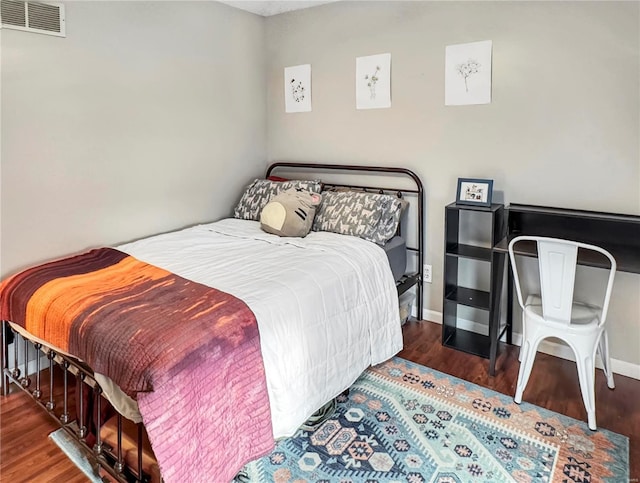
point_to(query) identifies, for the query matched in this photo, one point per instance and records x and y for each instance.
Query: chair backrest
(557, 261)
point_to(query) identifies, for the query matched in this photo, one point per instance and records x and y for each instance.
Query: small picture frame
(474, 192)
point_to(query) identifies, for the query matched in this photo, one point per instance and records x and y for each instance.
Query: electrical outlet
(426, 274)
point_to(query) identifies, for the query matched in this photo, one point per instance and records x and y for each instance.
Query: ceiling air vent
(42, 18)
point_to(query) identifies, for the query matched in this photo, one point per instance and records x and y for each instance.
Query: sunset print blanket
(188, 353)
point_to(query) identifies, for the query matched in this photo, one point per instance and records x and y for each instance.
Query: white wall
(147, 117)
(562, 129)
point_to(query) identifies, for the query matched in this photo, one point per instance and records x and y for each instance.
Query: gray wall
(150, 116)
(147, 117)
(562, 129)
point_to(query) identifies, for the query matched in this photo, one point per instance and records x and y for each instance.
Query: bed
(299, 319)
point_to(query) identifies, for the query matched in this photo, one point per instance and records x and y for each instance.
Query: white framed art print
(467, 76)
(373, 81)
(297, 88)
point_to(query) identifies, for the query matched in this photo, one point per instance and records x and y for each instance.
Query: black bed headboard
(416, 190)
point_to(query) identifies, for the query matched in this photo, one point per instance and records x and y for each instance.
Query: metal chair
(555, 313)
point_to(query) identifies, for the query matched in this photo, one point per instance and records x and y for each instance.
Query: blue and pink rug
(402, 422)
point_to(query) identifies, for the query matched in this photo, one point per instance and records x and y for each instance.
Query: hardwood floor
(28, 455)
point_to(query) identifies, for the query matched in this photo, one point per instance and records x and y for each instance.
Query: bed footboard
(66, 389)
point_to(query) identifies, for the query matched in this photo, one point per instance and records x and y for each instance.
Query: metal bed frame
(110, 457)
(106, 456)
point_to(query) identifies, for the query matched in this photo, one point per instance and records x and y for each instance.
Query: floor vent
(42, 18)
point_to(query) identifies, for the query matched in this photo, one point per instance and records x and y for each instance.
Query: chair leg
(603, 347)
(528, 351)
(586, 375)
(524, 338)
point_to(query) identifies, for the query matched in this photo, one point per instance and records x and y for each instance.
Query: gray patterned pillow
(371, 216)
(260, 192)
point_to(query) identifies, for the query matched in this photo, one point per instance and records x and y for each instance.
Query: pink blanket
(188, 353)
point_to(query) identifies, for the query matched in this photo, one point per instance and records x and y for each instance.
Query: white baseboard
(552, 348)
(432, 316)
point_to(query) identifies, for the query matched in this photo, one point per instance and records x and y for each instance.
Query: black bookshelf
(455, 295)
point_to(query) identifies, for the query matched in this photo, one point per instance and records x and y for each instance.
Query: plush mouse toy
(290, 213)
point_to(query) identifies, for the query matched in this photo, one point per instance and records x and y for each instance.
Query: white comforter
(326, 304)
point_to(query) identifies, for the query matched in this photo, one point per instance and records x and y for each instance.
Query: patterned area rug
(402, 422)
